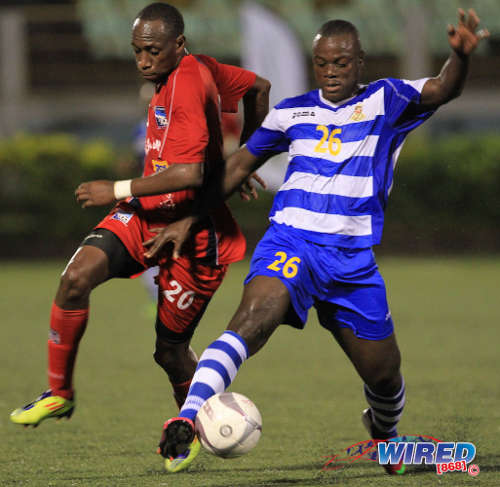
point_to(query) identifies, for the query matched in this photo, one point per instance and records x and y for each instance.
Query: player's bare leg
(376, 361)
(263, 307)
(86, 269)
(378, 364)
(179, 362)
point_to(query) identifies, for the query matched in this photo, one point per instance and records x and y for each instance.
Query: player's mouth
(330, 87)
(149, 75)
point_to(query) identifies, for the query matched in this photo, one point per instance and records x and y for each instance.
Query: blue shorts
(344, 285)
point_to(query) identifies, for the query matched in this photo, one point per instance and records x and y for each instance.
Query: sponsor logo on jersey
(154, 144)
(304, 113)
(161, 117)
(358, 114)
(168, 202)
(123, 217)
(159, 165)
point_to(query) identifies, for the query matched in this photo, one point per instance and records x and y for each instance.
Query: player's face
(157, 52)
(337, 63)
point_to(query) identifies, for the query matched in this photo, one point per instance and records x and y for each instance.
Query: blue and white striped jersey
(341, 159)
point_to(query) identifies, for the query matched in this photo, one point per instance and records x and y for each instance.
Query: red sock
(180, 392)
(66, 330)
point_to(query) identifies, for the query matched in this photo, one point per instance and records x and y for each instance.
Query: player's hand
(463, 38)
(175, 233)
(248, 190)
(95, 193)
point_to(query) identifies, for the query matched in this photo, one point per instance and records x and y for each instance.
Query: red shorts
(185, 289)
(185, 285)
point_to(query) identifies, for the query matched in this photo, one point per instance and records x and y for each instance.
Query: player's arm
(220, 186)
(463, 40)
(177, 177)
(255, 107)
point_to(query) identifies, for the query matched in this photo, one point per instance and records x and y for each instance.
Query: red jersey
(184, 127)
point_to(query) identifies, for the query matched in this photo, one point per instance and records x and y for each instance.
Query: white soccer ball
(228, 425)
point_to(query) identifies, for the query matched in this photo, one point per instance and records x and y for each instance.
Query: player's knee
(386, 381)
(255, 323)
(166, 355)
(74, 284)
(161, 356)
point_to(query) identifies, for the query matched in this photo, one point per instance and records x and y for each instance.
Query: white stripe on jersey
(324, 223)
(284, 118)
(339, 184)
(417, 84)
(305, 148)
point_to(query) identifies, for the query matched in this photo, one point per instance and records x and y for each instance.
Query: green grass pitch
(447, 317)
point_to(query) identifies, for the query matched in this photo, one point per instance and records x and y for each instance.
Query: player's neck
(164, 81)
(337, 103)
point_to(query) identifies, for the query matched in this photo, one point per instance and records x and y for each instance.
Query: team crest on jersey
(123, 217)
(161, 117)
(358, 114)
(159, 165)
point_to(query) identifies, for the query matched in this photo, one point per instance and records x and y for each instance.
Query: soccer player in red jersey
(183, 137)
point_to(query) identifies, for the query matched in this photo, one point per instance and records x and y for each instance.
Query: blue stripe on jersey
(350, 132)
(225, 347)
(309, 99)
(355, 166)
(322, 203)
(268, 141)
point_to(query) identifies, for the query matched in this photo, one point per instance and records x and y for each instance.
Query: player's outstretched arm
(463, 39)
(174, 178)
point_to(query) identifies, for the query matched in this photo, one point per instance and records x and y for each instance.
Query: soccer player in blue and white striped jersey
(343, 142)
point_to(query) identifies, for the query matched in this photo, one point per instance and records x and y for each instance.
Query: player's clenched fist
(95, 193)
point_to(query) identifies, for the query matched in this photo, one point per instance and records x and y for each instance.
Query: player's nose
(143, 61)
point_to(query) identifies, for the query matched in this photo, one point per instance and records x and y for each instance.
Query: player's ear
(361, 58)
(180, 42)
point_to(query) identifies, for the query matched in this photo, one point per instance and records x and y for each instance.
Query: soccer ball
(228, 425)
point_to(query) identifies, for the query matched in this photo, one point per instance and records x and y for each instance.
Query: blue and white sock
(386, 410)
(216, 369)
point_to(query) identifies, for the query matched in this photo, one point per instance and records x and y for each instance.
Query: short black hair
(338, 27)
(165, 12)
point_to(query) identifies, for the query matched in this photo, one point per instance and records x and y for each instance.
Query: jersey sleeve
(232, 82)
(270, 138)
(188, 134)
(402, 103)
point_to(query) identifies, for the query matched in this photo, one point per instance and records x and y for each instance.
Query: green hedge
(446, 195)
(38, 176)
